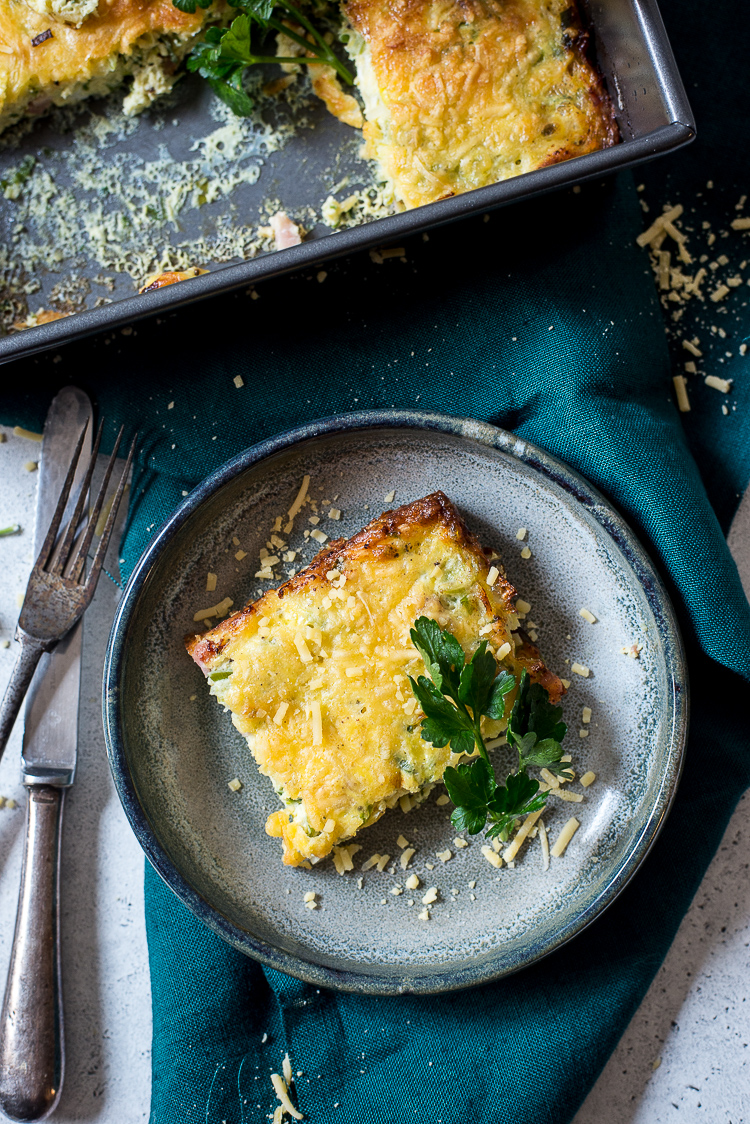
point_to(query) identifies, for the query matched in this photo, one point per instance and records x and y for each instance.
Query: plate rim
(611, 522)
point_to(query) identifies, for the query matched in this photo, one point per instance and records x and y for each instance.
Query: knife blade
(51, 717)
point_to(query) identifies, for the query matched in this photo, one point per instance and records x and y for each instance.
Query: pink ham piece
(285, 232)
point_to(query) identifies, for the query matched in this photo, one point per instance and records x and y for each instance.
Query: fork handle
(20, 680)
(31, 1024)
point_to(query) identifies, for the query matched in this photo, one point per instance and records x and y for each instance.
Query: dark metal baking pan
(632, 50)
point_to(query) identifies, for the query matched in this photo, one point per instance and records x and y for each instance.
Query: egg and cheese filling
(315, 673)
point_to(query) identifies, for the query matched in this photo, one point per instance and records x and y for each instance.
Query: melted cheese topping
(318, 669)
(77, 62)
(459, 96)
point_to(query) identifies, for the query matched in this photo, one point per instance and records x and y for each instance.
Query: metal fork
(54, 601)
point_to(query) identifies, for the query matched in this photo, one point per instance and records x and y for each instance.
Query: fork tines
(69, 556)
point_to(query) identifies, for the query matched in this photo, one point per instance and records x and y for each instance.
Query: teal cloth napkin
(545, 320)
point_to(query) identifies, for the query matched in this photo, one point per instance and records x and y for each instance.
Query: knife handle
(31, 1024)
(20, 681)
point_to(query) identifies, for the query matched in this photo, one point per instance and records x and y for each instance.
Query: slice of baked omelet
(463, 94)
(57, 52)
(314, 673)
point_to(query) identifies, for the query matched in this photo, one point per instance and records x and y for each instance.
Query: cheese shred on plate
(347, 749)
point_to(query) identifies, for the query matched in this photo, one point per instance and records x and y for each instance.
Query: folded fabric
(546, 320)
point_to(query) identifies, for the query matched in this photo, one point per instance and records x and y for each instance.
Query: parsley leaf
(454, 699)
(471, 788)
(226, 52)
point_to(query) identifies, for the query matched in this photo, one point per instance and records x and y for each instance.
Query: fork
(55, 601)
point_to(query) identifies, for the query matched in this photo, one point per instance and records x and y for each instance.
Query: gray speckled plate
(173, 749)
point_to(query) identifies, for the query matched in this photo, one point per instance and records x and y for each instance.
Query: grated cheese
(238, 381)
(286, 1069)
(396, 891)
(235, 785)
(29, 434)
(526, 553)
(280, 713)
(587, 616)
(329, 826)
(564, 838)
(723, 385)
(586, 714)
(492, 858)
(443, 800)
(334, 513)
(240, 554)
(579, 669)
(282, 1093)
(412, 882)
(692, 349)
(210, 582)
(521, 534)
(389, 496)
(719, 293)
(550, 778)
(301, 497)
(404, 803)
(319, 536)
(740, 224)
(219, 610)
(493, 575)
(309, 897)
(382, 863)
(588, 778)
(503, 651)
(571, 797)
(680, 389)
(583, 733)
(460, 843)
(371, 862)
(522, 606)
(511, 851)
(431, 896)
(401, 842)
(424, 915)
(445, 855)
(545, 845)
(406, 858)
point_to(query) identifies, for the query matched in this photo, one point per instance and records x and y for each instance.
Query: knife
(31, 1024)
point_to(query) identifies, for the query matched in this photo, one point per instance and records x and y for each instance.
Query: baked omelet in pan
(56, 52)
(463, 93)
(314, 673)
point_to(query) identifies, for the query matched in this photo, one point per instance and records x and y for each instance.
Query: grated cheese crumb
(740, 224)
(723, 385)
(579, 669)
(238, 381)
(280, 713)
(431, 896)
(396, 891)
(319, 536)
(571, 797)
(29, 434)
(522, 606)
(31, 466)
(588, 778)
(719, 293)
(503, 651)
(309, 897)
(443, 800)
(389, 497)
(692, 349)
(219, 610)
(334, 513)
(406, 858)
(587, 616)
(404, 803)
(282, 1093)
(235, 785)
(545, 845)
(521, 534)
(564, 838)
(412, 882)
(445, 855)
(492, 858)
(240, 554)
(210, 582)
(511, 851)
(424, 915)
(526, 553)
(401, 842)
(583, 733)
(586, 717)
(460, 843)
(382, 862)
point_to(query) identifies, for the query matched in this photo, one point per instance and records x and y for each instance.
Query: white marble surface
(684, 1057)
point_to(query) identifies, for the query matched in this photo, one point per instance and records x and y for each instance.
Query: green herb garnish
(226, 52)
(454, 699)
(12, 530)
(219, 675)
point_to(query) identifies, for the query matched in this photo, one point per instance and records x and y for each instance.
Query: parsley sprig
(226, 52)
(454, 699)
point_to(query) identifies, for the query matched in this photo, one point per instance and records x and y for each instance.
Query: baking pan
(310, 156)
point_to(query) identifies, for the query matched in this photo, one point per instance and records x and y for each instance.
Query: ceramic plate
(173, 750)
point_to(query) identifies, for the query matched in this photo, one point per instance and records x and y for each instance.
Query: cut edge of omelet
(309, 827)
